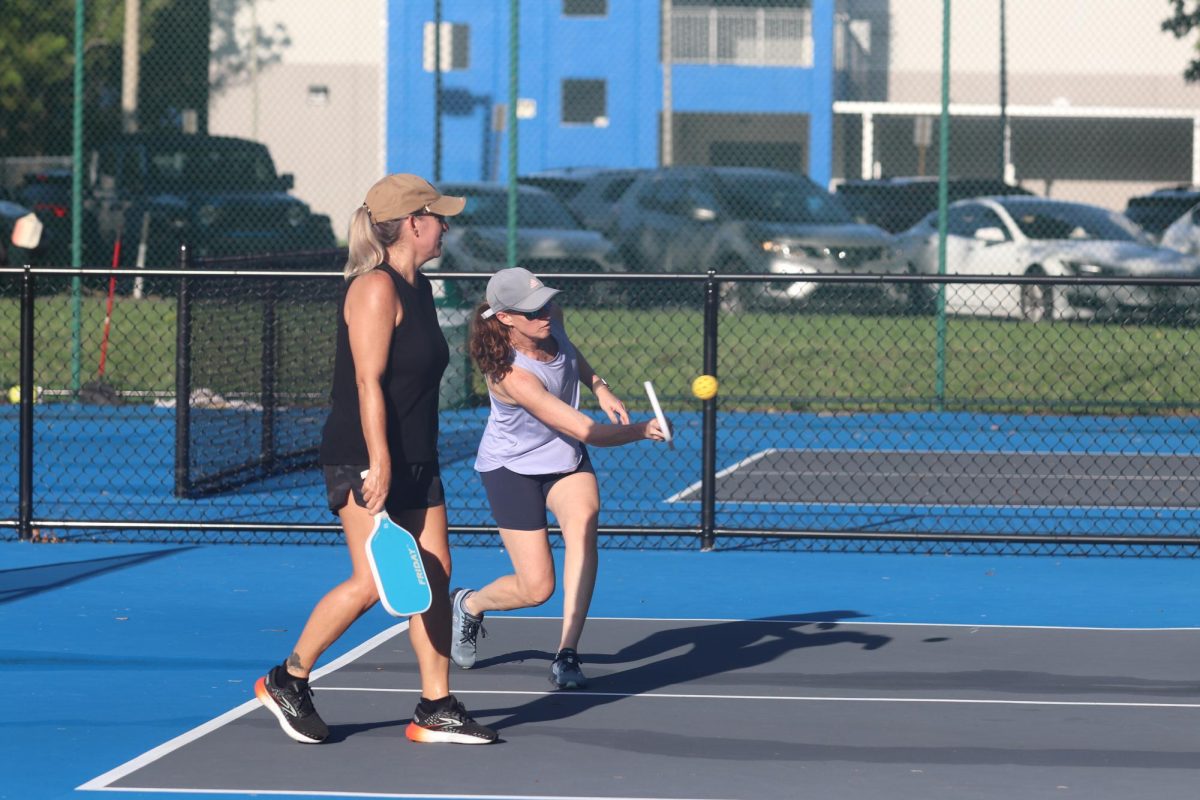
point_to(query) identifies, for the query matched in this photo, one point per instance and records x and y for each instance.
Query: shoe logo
(287, 705)
(446, 722)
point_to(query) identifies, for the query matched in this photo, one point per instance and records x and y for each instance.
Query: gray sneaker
(464, 628)
(565, 672)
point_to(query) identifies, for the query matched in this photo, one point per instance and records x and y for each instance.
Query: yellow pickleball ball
(14, 395)
(705, 387)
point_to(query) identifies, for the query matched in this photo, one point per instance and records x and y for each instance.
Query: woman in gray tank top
(533, 457)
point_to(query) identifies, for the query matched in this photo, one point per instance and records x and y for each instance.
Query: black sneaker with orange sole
(447, 722)
(290, 700)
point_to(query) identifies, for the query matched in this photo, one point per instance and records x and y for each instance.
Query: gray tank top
(516, 439)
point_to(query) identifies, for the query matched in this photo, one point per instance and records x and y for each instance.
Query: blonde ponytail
(368, 242)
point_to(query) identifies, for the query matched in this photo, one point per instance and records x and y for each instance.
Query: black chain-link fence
(898, 413)
(827, 159)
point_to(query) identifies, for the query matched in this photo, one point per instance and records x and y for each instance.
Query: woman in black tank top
(379, 451)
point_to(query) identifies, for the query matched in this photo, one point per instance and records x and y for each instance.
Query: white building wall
(1073, 52)
(321, 108)
(1060, 54)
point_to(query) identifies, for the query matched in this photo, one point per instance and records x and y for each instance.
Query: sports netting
(255, 356)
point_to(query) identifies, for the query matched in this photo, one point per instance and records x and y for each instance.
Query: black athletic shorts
(413, 486)
(519, 501)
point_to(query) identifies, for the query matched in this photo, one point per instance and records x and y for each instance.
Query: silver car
(1039, 236)
(750, 221)
(549, 238)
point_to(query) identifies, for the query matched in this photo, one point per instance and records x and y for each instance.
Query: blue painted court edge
(111, 650)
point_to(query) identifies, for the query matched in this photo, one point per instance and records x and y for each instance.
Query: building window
(455, 46)
(585, 8)
(584, 102)
(741, 35)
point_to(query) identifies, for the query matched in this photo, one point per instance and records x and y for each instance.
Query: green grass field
(767, 361)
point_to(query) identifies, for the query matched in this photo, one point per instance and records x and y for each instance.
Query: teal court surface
(128, 672)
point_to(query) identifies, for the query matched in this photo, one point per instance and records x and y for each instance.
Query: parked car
(1156, 211)
(220, 194)
(1184, 233)
(549, 238)
(49, 194)
(591, 193)
(751, 221)
(896, 204)
(30, 249)
(1039, 236)
(10, 212)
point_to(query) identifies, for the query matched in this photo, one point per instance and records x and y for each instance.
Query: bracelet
(598, 382)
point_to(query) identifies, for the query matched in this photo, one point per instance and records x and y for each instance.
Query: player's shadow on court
(22, 582)
(683, 654)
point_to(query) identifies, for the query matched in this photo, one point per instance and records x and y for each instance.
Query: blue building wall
(622, 48)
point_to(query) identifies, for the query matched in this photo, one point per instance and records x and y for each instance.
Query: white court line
(680, 496)
(312, 793)
(793, 698)
(731, 468)
(1098, 629)
(101, 782)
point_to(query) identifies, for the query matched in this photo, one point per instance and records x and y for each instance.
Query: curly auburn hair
(489, 346)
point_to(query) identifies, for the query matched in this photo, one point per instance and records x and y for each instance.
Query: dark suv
(220, 194)
(591, 193)
(1156, 211)
(746, 220)
(896, 204)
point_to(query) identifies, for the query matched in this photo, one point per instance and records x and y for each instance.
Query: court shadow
(25, 581)
(680, 655)
(340, 733)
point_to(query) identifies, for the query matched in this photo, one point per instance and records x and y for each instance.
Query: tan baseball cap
(402, 194)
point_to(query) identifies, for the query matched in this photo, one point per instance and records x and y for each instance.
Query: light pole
(437, 91)
(130, 63)
(1005, 132)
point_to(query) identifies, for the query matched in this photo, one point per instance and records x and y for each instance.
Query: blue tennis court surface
(111, 651)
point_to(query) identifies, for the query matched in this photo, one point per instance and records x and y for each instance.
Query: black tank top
(417, 358)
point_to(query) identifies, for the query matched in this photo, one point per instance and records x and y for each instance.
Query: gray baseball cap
(516, 289)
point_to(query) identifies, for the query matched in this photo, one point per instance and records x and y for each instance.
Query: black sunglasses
(439, 217)
(544, 311)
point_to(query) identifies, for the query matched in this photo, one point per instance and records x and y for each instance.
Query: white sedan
(1040, 236)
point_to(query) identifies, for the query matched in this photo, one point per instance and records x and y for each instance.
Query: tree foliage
(1182, 21)
(238, 49)
(187, 49)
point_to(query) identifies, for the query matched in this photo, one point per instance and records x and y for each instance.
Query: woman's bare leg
(430, 632)
(575, 501)
(530, 584)
(344, 603)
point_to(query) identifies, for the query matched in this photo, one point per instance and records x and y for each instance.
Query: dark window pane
(585, 8)
(583, 101)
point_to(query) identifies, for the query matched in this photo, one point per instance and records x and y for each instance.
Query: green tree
(1182, 21)
(36, 42)
(37, 65)
(188, 48)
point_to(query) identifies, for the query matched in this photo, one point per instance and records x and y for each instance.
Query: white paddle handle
(658, 414)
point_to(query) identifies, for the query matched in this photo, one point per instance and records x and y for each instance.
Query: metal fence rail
(897, 413)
